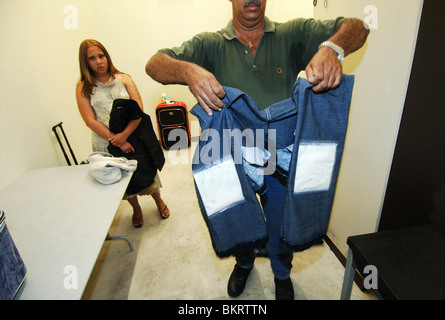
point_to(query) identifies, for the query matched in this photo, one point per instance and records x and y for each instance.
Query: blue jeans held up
(291, 130)
(315, 164)
(225, 194)
(12, 268)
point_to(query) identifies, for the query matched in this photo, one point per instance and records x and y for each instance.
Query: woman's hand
(118, 139)
(126, 147)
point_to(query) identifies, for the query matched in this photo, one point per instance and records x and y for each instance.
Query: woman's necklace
(109, 80)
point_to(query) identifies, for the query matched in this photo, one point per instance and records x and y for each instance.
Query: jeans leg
(273, 205)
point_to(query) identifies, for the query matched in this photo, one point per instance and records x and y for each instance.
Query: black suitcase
(171, 116)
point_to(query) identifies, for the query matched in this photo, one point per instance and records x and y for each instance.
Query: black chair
(409, 262)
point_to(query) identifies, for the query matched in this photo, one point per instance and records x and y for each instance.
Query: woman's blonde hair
(86, 74)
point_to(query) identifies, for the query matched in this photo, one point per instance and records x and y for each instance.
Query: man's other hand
(324, 71)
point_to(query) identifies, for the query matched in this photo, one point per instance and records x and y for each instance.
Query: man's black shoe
(237, 281)
(284, 289)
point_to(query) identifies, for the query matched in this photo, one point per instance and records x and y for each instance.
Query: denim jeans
(226, 179)
(290, 130)
(227, 200)
(315, 164)
(12, 268)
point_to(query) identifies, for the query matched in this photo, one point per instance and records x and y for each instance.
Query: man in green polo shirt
(261, 58)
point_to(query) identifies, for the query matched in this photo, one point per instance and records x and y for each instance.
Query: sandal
(137, 221)
(164, 213)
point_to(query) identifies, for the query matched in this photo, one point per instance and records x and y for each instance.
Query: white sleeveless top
(101, 100)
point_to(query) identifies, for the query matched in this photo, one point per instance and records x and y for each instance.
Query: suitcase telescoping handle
(59, 125)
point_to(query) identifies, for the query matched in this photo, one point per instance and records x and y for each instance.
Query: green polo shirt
(268, 77)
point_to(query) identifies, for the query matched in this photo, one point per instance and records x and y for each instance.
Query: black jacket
(148, 151)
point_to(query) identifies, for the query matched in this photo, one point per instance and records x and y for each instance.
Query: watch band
(336, 48)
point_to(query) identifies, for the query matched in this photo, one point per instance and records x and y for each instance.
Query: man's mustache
(254, 2)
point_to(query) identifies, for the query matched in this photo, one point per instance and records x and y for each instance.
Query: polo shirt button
(254, 66)
(246, 52)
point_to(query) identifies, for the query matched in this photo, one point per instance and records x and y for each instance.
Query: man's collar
(229, 33)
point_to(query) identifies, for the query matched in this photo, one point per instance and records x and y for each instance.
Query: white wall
(382, 69)
(39, 64)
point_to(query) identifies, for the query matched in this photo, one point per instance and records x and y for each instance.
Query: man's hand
(203, 84)
(206, 89)
(324, 71)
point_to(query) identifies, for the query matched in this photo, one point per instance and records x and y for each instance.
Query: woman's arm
(88, 115)
(119, 138)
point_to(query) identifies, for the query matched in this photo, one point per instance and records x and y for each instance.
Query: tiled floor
(174, 259)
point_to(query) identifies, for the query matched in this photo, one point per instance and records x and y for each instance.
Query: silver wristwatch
(333, 46)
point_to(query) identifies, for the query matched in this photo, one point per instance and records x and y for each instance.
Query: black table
(409, 262)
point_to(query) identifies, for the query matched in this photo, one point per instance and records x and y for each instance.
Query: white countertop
(59, 219)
